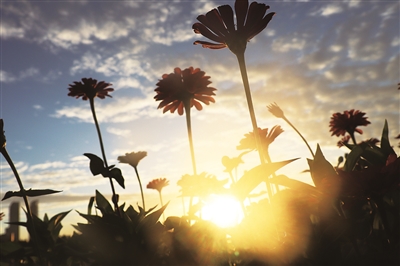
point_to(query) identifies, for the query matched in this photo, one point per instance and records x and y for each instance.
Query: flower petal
(215, 19)
(241, 7)
(261, 25)
(255, 15)
(211, 45)
(227, 16)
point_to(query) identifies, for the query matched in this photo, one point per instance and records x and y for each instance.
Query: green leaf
(252, 178)
(320, 168)
(103, 204)
(385, 143)
(29, 193)
(117, 175)
(96, 164)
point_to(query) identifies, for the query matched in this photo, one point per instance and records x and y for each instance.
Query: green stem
(298, 132)
(91, 100)
(141, 188)
(25, 197)
(245, 79)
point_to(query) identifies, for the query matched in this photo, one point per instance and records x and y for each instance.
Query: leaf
(295, 184)
(96, 164)
(252, 178)
(29, 193)
(354, 156)
(152, 218)
(320, 168)
(90, 205)
(54, 225)
(385, 144)
(103, 204)
(117, 175)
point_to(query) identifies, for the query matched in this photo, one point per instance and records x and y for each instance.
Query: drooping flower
(158, 184)
(347, 122)
(248, 142)
(218, 25)
(89, 89)
(184, 88)
(132, 158)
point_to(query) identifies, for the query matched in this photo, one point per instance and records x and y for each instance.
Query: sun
(222, 210)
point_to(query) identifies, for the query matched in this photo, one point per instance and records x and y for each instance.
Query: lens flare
(222, 210)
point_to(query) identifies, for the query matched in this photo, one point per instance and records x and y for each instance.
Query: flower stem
(298, 132)
(141, 188)
(189, 129)
(25, 197)
(91, 100)
(162, 204)
(245, 79)
(353, 138)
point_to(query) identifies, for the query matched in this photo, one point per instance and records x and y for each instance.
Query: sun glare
(222, 210)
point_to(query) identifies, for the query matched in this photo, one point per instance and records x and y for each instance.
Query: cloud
(287, 44)
(118, 131)
(10, 31)
(47, 165)
(328, 10)
(6, 77)
(117, 111)
(37, 107)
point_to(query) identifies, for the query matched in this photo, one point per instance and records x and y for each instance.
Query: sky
(314, 59)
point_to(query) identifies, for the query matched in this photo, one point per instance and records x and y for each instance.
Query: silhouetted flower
(218, 25)
(158, 184)
(132, 158)
(90, 89)
(249, 142)
(347, 122)
(2, 135)
(182, 89)
(276, 110)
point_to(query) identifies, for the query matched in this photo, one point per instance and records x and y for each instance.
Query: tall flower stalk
(180, 91)
(218, 25)
(133, 159)
(88, 89)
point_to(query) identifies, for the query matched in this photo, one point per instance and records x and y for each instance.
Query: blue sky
(314, 58)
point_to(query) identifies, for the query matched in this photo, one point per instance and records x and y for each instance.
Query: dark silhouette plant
(89, 89)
